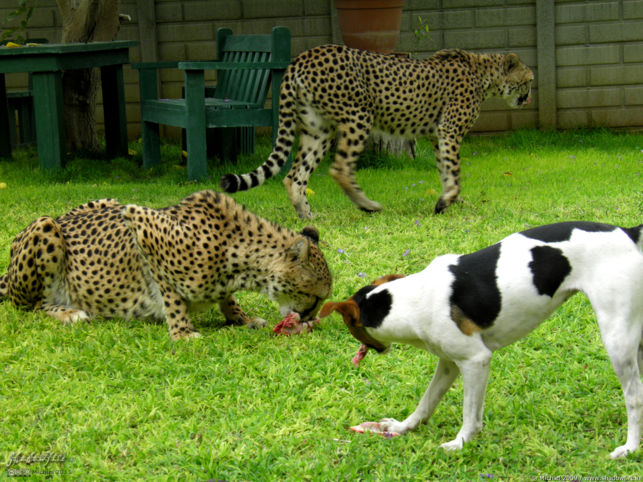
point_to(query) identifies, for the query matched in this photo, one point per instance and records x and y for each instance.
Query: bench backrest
(249, 85)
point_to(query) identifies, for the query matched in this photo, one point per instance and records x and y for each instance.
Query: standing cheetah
(104, 259)
(334, 89)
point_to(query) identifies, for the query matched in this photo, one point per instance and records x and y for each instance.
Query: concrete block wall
(587, 55)
(499, 26)
(599, 58)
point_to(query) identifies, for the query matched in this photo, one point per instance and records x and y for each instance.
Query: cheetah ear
(511, 62)
(298, 250)
(311, 233)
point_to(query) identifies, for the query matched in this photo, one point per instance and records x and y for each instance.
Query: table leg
(5, 140)
(114, 108)
(49, 111)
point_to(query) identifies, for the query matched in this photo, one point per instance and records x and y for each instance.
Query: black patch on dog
(555, 233)
(375, 308)
(549, 268)
(634, 233)
(475, 288)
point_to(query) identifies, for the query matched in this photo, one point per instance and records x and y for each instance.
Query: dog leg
(621, 333)
(475, 373)
(445, 373)
(626, 365)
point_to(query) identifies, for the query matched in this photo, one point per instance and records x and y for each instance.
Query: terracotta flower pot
(370, 24)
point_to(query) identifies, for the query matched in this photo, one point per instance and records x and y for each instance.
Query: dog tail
(636, 233)
(283, 144)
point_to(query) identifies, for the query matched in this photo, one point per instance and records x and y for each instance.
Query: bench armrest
(206, 65)
(155, 65)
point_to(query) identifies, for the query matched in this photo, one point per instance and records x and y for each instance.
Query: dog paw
(453, 445)
(393, 426)
(620, 452)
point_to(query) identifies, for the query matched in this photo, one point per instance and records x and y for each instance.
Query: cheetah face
(306, 281)
(516, 86)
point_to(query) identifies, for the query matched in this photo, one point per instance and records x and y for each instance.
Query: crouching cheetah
(104, 259)
(333, 90)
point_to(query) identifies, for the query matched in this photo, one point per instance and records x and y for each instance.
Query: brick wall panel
(584, 55)
(169, 12)
(216, 9)
(574, 34)
(572, 77)
(523, 118)
(595, 11)
(272, 8)
(570, 119)
(595, 97)
(633, 9)
(616, 32)
(481, 39)
(521, 37)
(633, 96)
(616, 117)
(492, 17)
(633, 52)
(616, 75)
(421, 4)
(315, 7)
(456, 19)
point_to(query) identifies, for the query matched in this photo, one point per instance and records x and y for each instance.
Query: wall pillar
(546, 52)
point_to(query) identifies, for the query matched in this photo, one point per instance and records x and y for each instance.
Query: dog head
(350, 311)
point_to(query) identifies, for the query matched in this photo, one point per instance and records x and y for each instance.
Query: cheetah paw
(255, 322)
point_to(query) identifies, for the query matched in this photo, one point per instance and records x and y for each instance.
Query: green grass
(120, 401)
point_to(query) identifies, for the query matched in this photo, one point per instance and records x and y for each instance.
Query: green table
(45, 63)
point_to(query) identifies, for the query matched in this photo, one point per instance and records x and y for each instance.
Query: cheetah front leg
(235, 315)
(176, 314)
(447, 158)
(64, 313)
(311, 150)
(350, 143)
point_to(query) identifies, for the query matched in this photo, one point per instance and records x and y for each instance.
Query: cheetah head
(302, 279)
(515, 86)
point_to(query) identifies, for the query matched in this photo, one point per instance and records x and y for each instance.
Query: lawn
(118, 400)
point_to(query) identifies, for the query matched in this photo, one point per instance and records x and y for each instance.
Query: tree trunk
(85, 21)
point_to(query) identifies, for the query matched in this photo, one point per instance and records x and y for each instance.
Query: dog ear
(348, 309)
(386, 278)
(327, 309)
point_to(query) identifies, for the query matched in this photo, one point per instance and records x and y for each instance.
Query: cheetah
(106, 260)
(335, 91)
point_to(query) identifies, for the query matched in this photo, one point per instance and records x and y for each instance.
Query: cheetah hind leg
(235, 315)
(310, 152)
(343, 169)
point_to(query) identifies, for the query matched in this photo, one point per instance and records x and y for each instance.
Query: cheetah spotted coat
(338, 91)
(104, 259)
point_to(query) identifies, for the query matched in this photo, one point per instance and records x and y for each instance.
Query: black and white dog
(464, 307)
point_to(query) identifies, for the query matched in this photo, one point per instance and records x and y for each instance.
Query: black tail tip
(229, 183)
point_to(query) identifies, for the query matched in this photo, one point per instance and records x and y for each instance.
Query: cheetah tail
(4, 286)
(281, 150)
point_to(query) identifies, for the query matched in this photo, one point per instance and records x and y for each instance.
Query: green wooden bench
(22, 127)
(246, 67)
